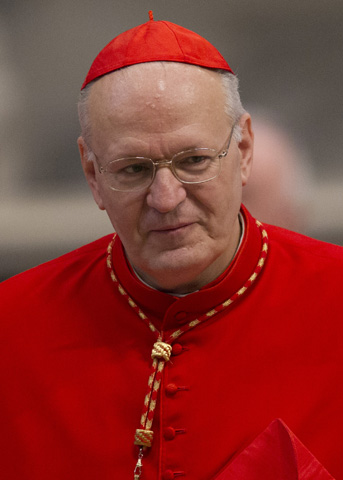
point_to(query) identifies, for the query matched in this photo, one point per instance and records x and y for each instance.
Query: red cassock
(76, 357)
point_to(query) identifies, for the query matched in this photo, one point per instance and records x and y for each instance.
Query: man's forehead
(149, 83)
(157, 74)
(150, 99)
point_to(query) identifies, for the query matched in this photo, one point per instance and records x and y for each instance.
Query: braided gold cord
(144, 437)
(161, 350)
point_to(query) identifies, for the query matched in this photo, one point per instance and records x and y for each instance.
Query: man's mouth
(171, 228)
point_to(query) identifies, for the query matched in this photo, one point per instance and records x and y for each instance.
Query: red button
(169, 433)
(180, 316)
(168, 475)
(177, 349)
(171, 389)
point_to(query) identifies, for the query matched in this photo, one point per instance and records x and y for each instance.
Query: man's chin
(173, 271)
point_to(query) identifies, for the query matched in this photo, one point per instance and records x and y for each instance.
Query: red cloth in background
(276, 454)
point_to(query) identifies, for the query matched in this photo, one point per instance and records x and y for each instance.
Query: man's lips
(170, 228)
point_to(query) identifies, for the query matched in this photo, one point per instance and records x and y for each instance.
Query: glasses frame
(221, 153)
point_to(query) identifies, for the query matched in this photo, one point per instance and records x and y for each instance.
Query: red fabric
(275, 454)
(75, 360)
(155, 41)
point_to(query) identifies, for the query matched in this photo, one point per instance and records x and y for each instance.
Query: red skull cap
(152, 42)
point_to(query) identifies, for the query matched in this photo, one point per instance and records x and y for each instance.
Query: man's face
(178, 237)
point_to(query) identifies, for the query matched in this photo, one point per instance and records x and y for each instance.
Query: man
(242, 321)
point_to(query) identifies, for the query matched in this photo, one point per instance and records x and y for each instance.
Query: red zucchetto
(155, 41)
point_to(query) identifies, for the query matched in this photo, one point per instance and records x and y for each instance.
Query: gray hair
(233, 106)
(83, 110)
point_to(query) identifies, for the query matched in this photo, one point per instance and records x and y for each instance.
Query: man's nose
(166, 192)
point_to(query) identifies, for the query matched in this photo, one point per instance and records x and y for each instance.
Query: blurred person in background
(194, 342)
(281, 182)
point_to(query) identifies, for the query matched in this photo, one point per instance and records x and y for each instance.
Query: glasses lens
(129, 173)
(197, 165)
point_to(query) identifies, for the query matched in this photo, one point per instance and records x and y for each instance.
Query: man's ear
(246, 147)
(89, 170)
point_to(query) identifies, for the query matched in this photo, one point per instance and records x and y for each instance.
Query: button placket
(171, 431)
(171, 388)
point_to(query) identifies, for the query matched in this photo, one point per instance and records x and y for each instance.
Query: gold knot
(161, 350)
(144, 437)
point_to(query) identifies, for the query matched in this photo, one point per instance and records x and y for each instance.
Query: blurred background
(288, 56)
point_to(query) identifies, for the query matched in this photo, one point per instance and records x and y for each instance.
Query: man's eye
(197, 159)
(137, 168)
(133, 169)
(194, 161)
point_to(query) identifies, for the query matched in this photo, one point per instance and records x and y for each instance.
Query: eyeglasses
(194, 166)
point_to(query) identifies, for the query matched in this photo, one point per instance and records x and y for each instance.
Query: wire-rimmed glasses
(198, 165)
